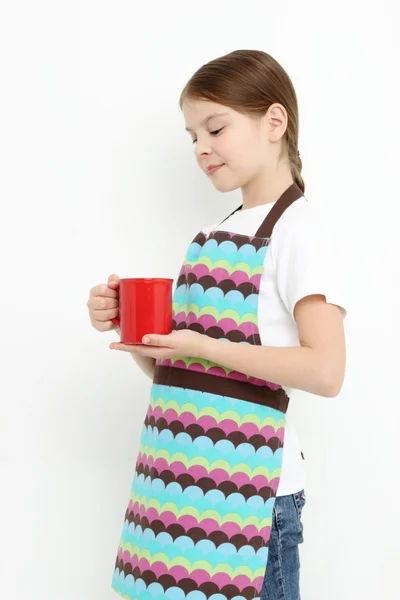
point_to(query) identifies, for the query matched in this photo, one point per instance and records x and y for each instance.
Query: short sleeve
(306, 259)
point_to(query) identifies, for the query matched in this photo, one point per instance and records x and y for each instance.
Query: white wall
(96, 170)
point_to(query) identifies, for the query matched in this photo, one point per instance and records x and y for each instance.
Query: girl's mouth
(214, 169)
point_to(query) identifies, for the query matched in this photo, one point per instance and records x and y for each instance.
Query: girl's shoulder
(302, 218)
(299, 212)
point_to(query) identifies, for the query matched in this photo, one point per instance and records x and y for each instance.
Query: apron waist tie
(223, 386)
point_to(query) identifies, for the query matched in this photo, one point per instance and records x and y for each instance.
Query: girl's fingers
(128, 347)
(157, 353)
(139, 348)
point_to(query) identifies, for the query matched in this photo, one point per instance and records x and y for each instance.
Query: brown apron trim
(292, 193)
(223, 386)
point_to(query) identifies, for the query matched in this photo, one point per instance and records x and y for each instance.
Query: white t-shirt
(299, 261)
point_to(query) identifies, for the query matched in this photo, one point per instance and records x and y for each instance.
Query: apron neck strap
(292, 193)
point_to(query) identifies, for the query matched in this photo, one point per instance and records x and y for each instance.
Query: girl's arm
(316, 366)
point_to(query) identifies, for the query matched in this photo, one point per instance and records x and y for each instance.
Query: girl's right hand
(103, 304)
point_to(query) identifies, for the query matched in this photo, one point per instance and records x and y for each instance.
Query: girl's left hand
(181, 343)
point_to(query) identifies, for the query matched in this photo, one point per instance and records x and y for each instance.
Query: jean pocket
(299, 500)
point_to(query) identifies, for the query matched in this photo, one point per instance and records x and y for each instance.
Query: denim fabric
(282, 575)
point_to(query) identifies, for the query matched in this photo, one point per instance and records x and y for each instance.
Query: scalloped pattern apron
(198, 521)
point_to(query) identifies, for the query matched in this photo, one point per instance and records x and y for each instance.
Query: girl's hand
(103, 304)
(183, 342)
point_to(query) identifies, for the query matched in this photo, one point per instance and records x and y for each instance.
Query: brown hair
(249, 81)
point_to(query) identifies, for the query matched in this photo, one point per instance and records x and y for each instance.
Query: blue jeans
(282, 575)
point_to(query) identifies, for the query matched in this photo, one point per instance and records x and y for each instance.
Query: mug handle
(117, 321)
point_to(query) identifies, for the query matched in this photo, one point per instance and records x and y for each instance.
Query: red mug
(145, 306)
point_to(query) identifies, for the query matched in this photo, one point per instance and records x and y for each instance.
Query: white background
(97, 177)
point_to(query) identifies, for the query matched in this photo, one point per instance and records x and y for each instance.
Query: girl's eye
(212, 133)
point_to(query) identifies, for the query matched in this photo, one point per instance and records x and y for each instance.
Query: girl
(218, 491)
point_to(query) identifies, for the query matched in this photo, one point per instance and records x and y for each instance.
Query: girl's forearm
(146, 363)
(296, 367)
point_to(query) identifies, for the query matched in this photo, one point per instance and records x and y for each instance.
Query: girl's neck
(265, 189)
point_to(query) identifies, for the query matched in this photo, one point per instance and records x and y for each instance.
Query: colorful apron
(198, 522)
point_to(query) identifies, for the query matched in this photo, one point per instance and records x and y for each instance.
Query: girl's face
(241, 144)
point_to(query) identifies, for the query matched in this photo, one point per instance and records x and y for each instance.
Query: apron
(199, 517)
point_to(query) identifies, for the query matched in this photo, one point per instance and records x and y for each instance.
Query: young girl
(218, 491)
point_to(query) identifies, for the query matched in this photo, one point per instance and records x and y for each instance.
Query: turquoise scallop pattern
(203, 446)
(132, 589)
(228, 251)
(146, 488)
(163, 542)
(203, 400)
(192, 299)
(194, 496)
(186, 295)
